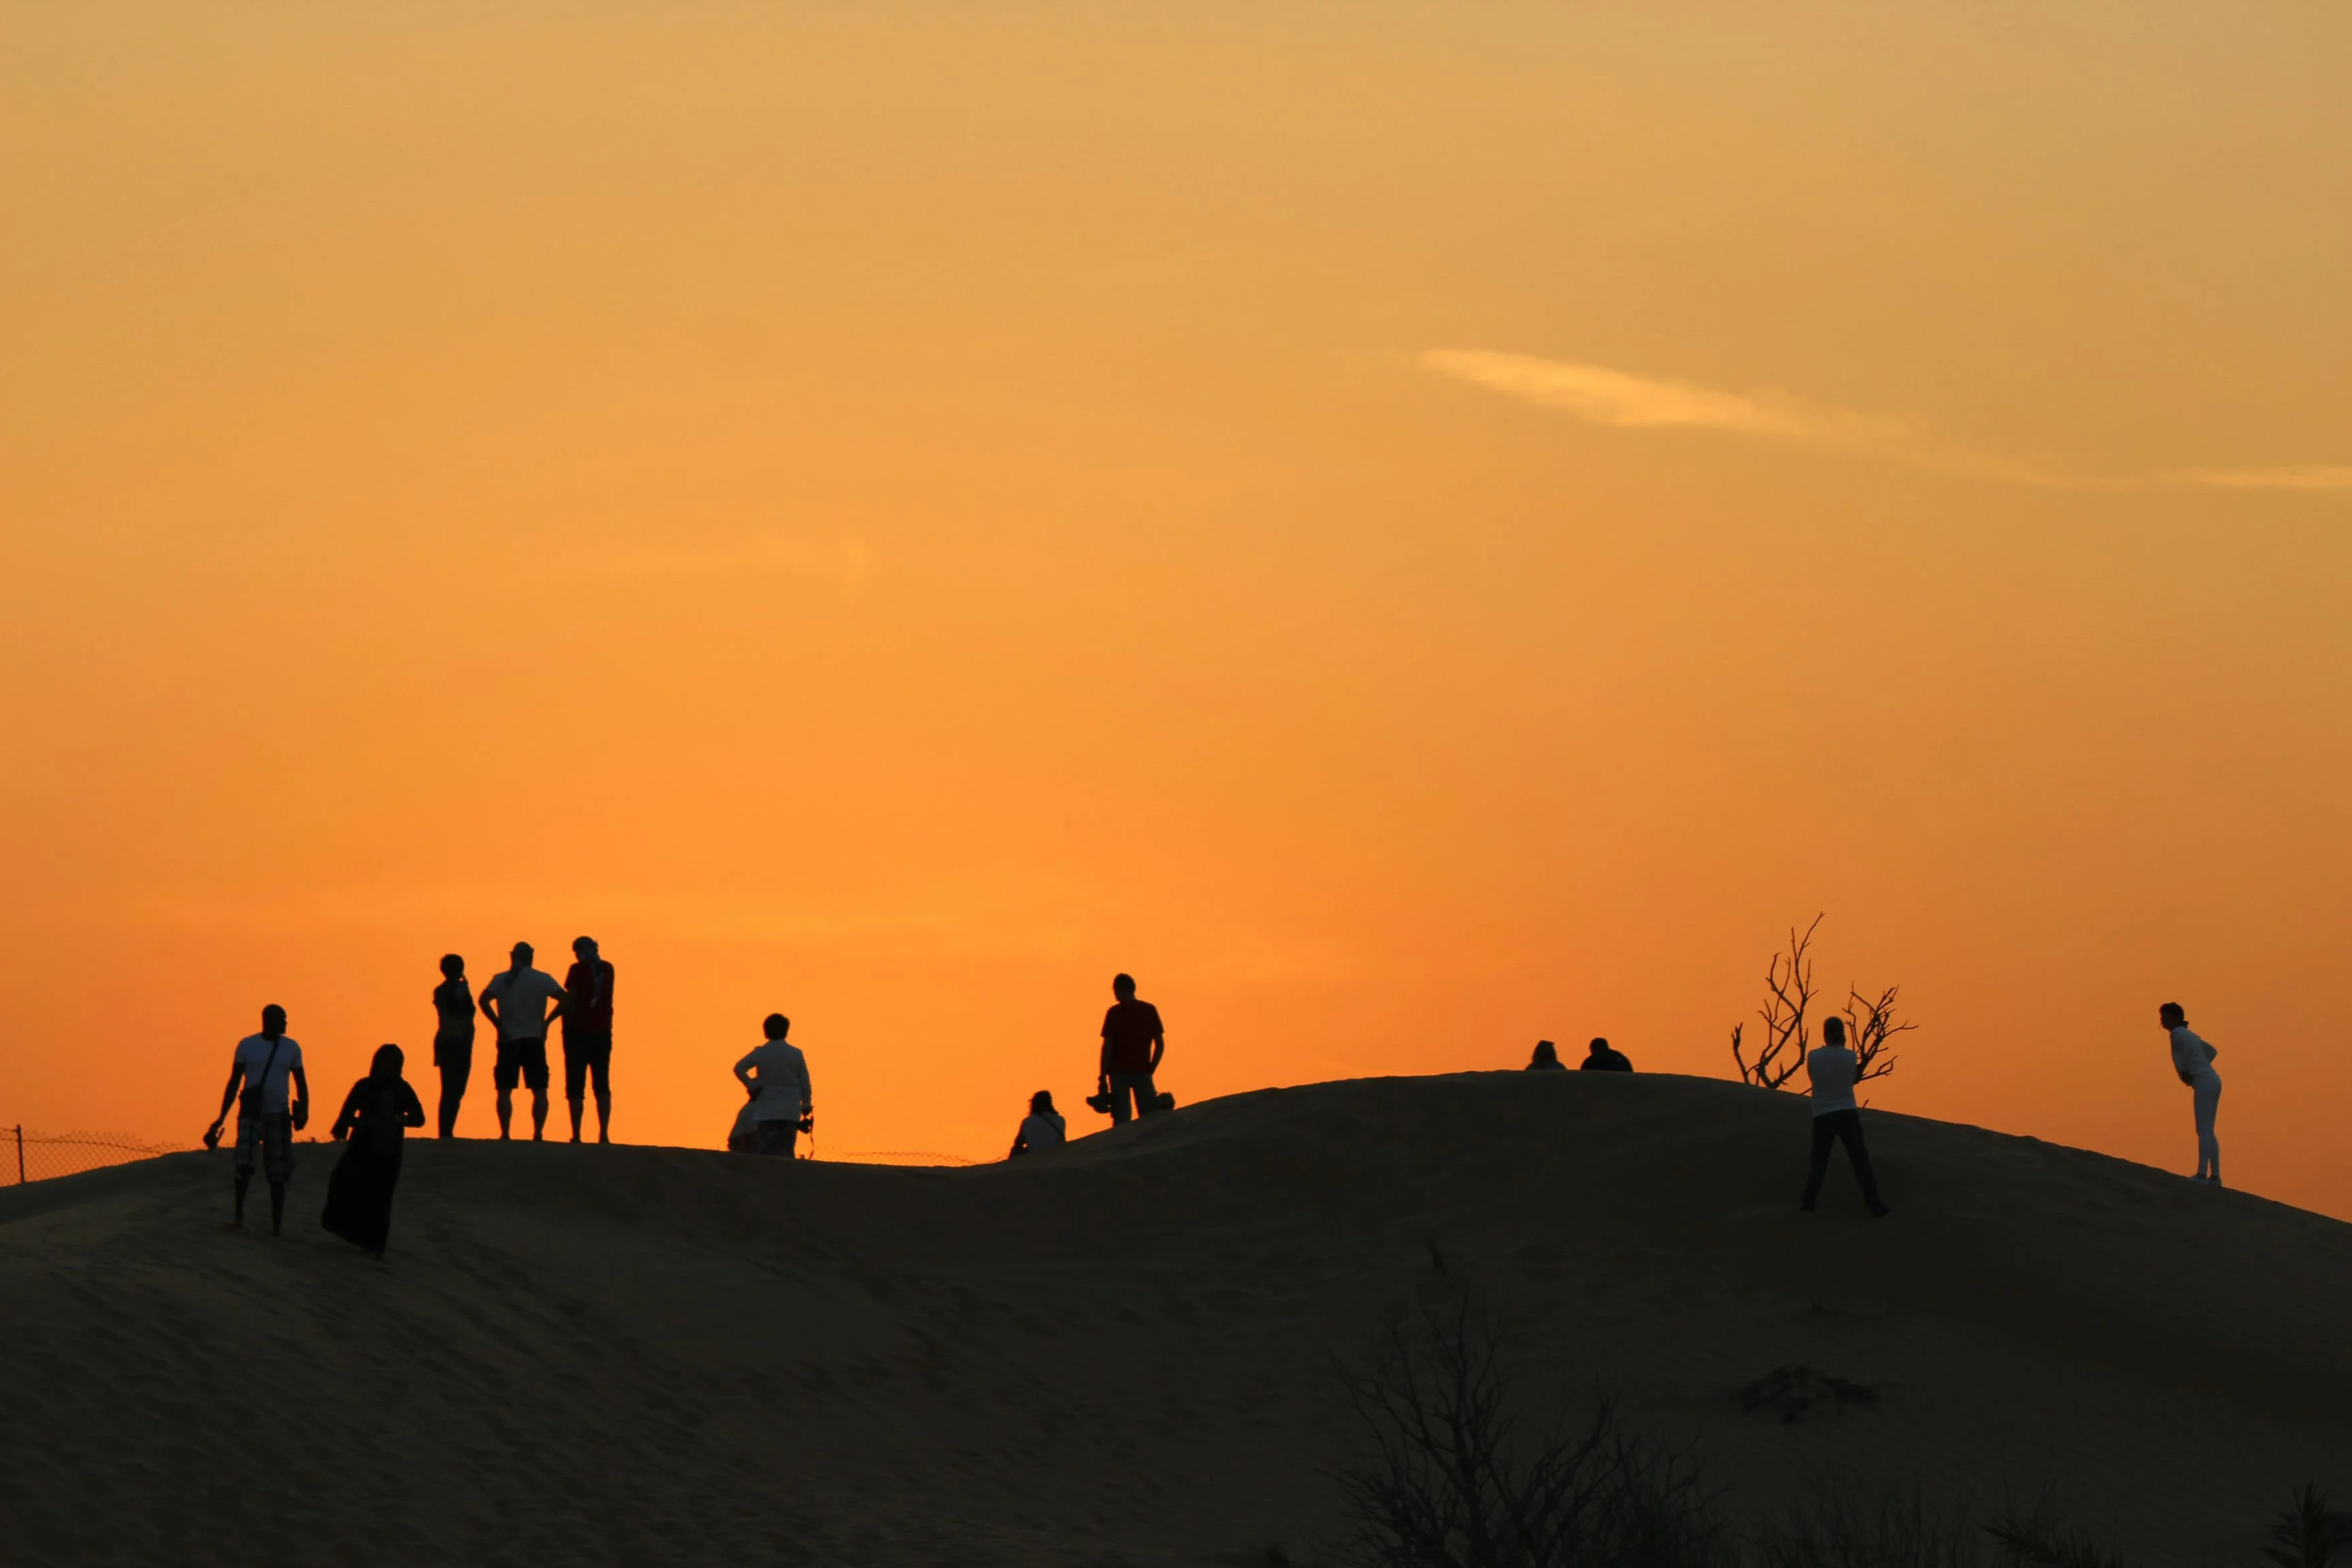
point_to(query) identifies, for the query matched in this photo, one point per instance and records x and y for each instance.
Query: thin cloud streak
(1600, 396)
(2310, 476)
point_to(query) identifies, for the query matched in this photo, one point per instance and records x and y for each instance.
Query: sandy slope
(1121, 1352)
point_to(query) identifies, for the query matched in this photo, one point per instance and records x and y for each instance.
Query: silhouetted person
(1043, 1128)
(781, 1103)
(2192, 1059)
(588, 1035)
(453, 1038)
(516, 1000)
(259, 1073)
(1836, 1116)
(1603, 1056)
(376, 1116)
(1132, 1045)
(1546, 1058)
(744, 1137)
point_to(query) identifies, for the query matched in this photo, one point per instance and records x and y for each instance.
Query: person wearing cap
(516, 1000)
(588, 1036)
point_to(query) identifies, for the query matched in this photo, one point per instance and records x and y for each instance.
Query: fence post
(20, 1153)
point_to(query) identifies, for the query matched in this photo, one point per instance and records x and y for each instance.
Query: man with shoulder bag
(267, 1118)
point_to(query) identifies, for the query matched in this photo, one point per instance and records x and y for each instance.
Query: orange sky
(1408, 527)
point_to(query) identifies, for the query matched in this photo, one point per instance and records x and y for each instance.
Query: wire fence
(888, 1157)
(29, 1156)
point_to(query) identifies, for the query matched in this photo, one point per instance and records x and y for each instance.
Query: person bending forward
(2192, 1063)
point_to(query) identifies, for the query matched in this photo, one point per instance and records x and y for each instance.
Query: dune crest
(1120, 1351)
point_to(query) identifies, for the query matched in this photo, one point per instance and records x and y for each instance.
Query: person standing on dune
(2192, 1062)
(588, 1036)
(376, 1116)
(259, 1073)
(516, 1000)
(1837, 1118)
(453, 1038)
(1132, 1045)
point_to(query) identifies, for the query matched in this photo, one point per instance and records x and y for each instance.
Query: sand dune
(1121, 1352)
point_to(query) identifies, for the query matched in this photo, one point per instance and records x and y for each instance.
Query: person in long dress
(373, 1128)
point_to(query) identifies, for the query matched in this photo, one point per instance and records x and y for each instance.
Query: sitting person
(743, 1138)
(1603, 1056)
(376, 1116)
(1043, 1128)
(1546, 1060)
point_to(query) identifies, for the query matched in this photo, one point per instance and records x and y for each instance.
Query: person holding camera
(1132, 1045)
(1837, 1118)
(783, 1106)
(259, 1073)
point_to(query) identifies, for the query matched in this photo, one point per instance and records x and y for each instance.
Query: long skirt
(359, 1194)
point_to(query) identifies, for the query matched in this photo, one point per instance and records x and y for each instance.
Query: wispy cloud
(1600, 396)
(2311, 477)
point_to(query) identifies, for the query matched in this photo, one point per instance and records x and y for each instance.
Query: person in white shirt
(781, 1103)
(1043, 1128)
(259, 1071)
(2192, 1062)
(1837, 1118)
(516, 1000)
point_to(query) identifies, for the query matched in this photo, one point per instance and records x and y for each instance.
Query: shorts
(270, 1135)
(526, 1059)
(584, 1054)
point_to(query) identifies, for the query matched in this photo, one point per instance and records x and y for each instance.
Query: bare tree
(1787, 1035)
(1870, 1027)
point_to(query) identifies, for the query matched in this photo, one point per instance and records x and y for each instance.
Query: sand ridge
(1121, 1352)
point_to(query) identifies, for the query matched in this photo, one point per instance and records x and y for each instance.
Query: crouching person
(781, 1103)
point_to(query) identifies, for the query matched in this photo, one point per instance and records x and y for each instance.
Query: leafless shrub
(1781, 1047)
(1450, 1481)
(1871, 1027)
(1787, 995)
